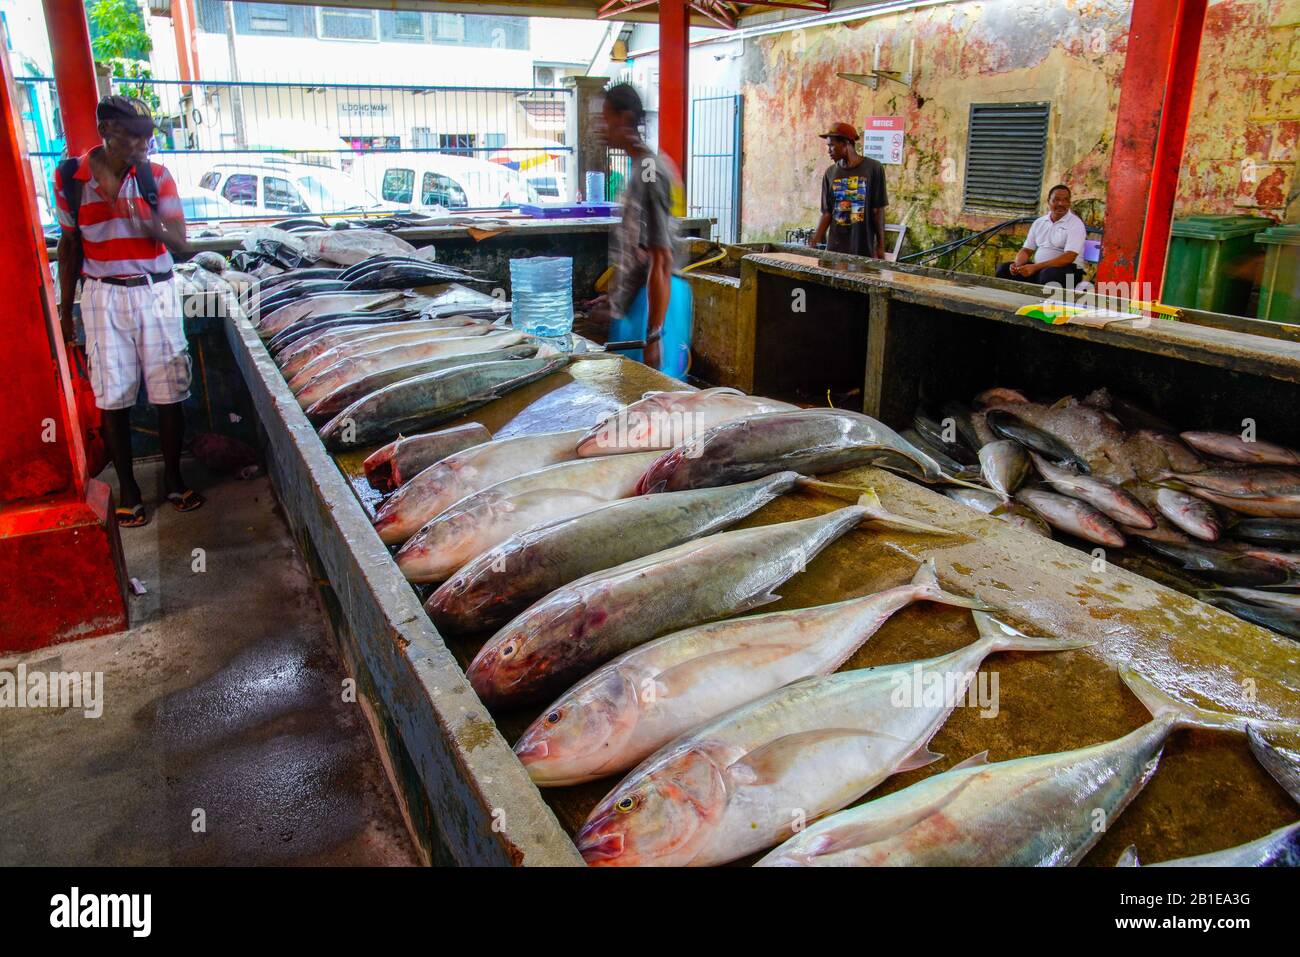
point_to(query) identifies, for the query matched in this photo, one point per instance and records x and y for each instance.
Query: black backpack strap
(71, 185)
(147, 185)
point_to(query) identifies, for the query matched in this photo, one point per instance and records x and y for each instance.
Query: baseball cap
(132, 113)
(844, 130)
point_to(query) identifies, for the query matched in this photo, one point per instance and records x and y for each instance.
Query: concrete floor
(224, 697)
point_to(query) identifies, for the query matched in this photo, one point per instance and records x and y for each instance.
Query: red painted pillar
(62, 575)
(1150, 130)
(674, 25)
(1188, 28)
(74, 72)
(187, 51)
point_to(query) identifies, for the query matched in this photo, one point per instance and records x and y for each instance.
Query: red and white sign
(882, 139)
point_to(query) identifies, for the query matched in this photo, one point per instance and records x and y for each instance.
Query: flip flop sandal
(186, 501)
(133, 517)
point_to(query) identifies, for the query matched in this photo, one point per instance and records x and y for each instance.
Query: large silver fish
(415, 404)
(665, 420)
(364, 383)
(1046, 810)
(1073, 516)
(502, 582)
(584, 624)
(1194, 516)
(445, 483)
(316, 382)
(308, 363)
(1231, 446)
(634, 705)
(1111, 500)
(485, 519)
(402, 459)
(748, 779)
(279, 319)
(809, 441)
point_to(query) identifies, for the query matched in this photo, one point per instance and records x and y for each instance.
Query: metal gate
(713, 166)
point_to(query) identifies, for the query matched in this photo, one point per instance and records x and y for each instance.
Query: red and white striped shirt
(112, 243)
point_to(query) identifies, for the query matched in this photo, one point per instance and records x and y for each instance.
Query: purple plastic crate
(568, 210)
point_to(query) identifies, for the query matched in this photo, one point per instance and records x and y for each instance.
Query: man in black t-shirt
(853, 198)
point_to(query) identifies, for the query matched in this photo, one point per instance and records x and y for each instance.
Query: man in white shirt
(1055, 242)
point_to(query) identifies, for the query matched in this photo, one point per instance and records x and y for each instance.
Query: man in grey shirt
(646, 302)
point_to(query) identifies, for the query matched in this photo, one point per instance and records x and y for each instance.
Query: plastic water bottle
(542, 295)
(595, 187)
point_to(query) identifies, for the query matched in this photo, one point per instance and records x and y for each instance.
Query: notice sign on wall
(882, 139)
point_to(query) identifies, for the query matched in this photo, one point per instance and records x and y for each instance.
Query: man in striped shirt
(119, 239)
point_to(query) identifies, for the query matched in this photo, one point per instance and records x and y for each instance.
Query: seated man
(1056, 243)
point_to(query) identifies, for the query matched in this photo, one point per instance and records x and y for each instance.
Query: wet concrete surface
(225, 737)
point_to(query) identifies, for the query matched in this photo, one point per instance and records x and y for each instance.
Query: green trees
(119, 39)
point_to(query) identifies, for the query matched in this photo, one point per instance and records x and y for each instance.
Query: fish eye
(626, 805)
(508, 650)
(554, 717)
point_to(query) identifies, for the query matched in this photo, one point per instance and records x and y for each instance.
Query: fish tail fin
(1129, 858)
(850, 493)
(927, 583)
(876, 514)
(1186, 715)
(1280, 763)
(954, 480)
(1002, 637)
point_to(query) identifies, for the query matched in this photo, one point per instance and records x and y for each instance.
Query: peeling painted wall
(1069, 52)
(1241, 146)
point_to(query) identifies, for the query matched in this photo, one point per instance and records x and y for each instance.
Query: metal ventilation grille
(1006, 150)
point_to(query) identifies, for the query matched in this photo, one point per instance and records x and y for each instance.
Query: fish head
(448, 542)
(525, 653)
(582, 731)
(660, 472)
(663, 813)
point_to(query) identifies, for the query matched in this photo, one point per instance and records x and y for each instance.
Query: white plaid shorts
(130, 331)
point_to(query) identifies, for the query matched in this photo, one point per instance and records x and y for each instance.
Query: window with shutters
(403, 25)
(340, 24)
(1006, 150)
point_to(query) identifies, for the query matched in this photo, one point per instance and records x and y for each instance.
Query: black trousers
(1056, 274)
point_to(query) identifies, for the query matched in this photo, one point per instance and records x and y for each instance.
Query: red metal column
(187, 51)
(74, 72)
(1150, 130)
(1188, 29)
(62, 575)
(674, 27)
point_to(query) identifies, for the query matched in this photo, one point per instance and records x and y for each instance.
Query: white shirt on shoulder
(1049, 239)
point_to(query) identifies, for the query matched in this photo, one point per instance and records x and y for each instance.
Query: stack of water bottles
(595, 187)
(542, 297)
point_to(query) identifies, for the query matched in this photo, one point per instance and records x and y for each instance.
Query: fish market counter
(469, 800)
(890, 335)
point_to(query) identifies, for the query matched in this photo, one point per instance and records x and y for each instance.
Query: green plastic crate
(1212, 262)
(1279, 289)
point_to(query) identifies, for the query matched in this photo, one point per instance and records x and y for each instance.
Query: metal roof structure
(711, 13)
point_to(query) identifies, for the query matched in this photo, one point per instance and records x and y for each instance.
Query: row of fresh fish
(1034, 811)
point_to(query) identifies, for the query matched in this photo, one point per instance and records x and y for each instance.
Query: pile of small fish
(602, 562)
(1221, 505)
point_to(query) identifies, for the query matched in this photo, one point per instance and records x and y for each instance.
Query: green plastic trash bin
(1279, 289)
(1211, 262)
